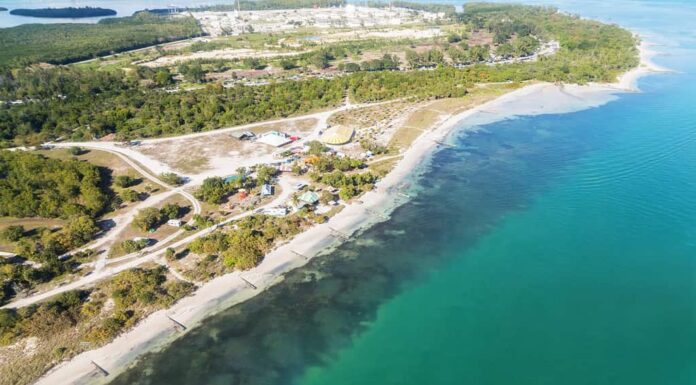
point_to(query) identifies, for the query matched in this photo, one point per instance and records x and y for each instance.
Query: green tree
(129, 195)
(124, 181)
(287, 64)
(316, 147)
(164, 77)
(147, 219)
(192, 72)
(505, 51)
(264, 174)
(254, 63)
(454, 38)
(79, 231)
(171, 178)
(213, 190)
(12, 233)
(131, 246)
(171, 211)
(349, 67)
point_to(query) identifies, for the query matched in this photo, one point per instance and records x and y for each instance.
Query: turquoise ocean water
(557, 249)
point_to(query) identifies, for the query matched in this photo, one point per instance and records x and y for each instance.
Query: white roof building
(279, 211)
(274, 138)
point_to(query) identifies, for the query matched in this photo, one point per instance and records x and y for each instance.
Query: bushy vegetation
(32, 185)
(135, 292)
(66, 43)
(150, 218)
(214, 189)
(124, 181)
(349, 185)
(244, 247)
(131, 246)
(328, 163)
(44, 320)
(16, 277)
(172, 179)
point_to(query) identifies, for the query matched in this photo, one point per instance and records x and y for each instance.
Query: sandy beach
(157, 330)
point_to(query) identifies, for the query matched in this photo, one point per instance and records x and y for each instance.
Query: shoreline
(156, 331)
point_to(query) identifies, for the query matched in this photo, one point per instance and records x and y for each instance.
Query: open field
(219, 151)
(96, 157)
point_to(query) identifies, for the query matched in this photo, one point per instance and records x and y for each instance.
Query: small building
(274, 138)
(174, 222)
(279, 211)
(234, 178)
(309, 197)
(266, 190)
(243, 135)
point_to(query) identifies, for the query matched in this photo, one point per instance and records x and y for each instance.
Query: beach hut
(309, 197)
(266, 190)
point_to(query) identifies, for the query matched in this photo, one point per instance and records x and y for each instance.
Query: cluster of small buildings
(271, 138)
(275, 21)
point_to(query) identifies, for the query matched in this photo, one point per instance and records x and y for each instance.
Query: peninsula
(168, 181)
(64, 13)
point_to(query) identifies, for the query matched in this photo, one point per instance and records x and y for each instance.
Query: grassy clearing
(29, 225)
(95, 157)
(383, 167)
(426, 116)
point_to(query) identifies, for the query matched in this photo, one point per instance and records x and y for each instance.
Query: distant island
(69, 12)
(3, 9)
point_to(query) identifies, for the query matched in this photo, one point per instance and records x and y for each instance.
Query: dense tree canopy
(65, 43)
(32, 185)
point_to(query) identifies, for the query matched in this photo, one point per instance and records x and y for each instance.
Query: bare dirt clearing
(219, 151)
